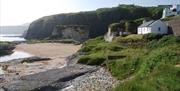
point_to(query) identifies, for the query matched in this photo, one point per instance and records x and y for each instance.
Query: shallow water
(15, 55)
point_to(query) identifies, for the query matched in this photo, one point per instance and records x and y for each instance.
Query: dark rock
(34, 59)
(54, 79)
(23, 60)
(6, 48)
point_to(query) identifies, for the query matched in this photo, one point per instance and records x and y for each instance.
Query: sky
(17, 12)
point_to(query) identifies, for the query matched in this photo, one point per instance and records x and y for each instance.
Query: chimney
(144, 21)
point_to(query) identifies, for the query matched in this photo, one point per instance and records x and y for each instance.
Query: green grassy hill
(141, 62)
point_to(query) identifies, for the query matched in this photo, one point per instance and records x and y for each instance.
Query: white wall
(169, 12)
(159, 24)
(154, 28)
(144, 30)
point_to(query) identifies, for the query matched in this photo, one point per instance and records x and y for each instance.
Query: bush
(164, 41)
(115, 27)
(92, 59)
(152, 36)
(86, 48)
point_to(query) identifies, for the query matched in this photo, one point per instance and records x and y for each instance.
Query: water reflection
(15, 55)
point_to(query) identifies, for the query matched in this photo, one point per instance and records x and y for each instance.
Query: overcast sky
(16, 12)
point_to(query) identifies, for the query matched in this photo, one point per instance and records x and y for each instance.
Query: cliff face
(97, 21)
(41, 28)
(76, 32)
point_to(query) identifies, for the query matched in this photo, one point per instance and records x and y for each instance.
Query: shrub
(164, 41)
(84, 60)
(92, 59)
(116, 26)
(86, 48)
(152, 36)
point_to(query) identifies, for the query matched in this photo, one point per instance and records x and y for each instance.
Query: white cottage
(153, 27)
(172, 10)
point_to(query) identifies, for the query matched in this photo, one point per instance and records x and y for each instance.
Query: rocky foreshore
(6, 48)
(72, 77)
(99, 80)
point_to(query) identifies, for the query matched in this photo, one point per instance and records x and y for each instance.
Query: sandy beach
(58, 52)
(51, 74)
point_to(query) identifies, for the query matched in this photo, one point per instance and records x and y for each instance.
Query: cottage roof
(147, 24)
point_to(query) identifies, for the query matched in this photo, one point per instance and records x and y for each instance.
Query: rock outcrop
(43, 27)
(78, 33)
(51, 80)
(6, 48)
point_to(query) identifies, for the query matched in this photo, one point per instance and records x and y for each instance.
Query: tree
(131, 27)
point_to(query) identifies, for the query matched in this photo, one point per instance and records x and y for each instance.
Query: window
(159, 29)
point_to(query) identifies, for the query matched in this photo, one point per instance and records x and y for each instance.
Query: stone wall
(175, 26)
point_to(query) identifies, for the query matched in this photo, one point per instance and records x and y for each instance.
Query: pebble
(100, 80)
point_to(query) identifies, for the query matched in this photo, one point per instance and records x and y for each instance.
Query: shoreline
(69, 77)
(46, 56)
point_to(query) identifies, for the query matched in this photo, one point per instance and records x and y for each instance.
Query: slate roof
(147, 24)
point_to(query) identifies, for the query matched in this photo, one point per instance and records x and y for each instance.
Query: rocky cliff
(78, 33)
(98, 20)
(43, 27)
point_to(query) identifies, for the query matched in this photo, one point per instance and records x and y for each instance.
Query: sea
(16, 54)
(11, 37)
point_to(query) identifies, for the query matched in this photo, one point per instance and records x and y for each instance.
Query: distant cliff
(97, 21)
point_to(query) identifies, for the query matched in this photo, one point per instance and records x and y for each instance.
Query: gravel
(100, 80)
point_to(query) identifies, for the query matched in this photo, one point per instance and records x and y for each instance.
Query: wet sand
(58, 52)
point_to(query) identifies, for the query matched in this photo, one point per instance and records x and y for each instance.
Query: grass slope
(141, 63)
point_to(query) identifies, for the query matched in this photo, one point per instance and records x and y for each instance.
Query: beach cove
(59, 67)
(56, 52)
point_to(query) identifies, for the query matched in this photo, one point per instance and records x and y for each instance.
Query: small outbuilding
(153, 27)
